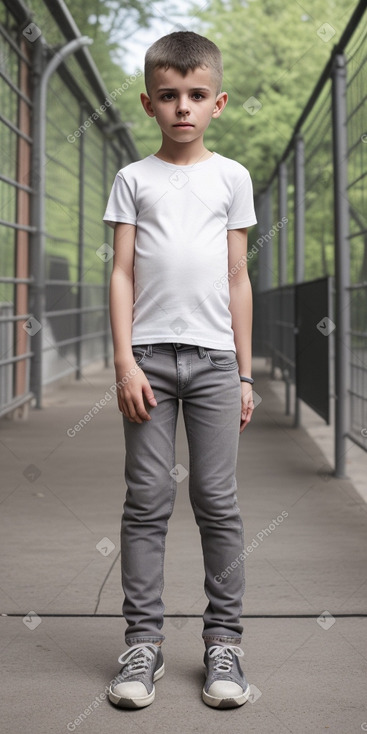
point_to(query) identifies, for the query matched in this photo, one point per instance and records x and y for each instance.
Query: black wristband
(247, 379)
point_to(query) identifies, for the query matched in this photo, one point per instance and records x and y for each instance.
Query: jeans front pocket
(222, 359)
(139, 351)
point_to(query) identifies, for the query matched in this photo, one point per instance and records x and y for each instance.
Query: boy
(181, 313)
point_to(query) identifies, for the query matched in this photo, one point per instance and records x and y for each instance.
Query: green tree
(273, 51)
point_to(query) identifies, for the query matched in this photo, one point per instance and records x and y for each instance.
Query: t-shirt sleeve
(241, 212)
(121, 205)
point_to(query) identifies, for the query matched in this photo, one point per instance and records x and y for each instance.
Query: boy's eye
(168, 96)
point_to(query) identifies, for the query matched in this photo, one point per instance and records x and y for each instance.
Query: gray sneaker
(225, 685)
(133, 686)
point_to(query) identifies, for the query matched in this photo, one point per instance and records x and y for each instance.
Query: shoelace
(223, 655)
(137, 659)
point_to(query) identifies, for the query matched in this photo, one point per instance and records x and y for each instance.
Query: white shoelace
(137, 658)
(223, 655)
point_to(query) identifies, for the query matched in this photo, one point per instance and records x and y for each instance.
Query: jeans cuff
(213, 639)
(141, 640)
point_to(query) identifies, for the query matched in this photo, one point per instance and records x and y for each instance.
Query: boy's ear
(220, 104)
(145, 100)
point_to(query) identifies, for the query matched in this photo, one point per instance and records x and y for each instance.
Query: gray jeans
(207, 381)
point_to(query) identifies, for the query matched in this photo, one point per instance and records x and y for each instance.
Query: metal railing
(319, 190)
(356, 95)
(54, 268)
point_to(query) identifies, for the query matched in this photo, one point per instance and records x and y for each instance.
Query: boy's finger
(149, 396)
(130, 410)
(138, 412)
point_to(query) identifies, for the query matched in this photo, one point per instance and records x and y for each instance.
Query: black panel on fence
(314, 329)
(259, 341)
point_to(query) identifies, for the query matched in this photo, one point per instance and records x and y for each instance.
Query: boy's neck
(183, 154)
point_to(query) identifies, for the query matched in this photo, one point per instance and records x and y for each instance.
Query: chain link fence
(319, 190)
(54, 268)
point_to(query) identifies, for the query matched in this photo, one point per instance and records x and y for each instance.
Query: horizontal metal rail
(16, 184)
(18, 358)
(15, 225)
(70, 283)
(15, 48)
(4, 279)
(14, 88)
(69, 311)
(15, 129)
(15, 403)
(18, 317)
(75, 339)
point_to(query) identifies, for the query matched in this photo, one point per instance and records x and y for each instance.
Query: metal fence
(318, 191)
(61, 141)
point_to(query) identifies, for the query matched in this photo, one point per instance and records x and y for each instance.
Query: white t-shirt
(182, 214)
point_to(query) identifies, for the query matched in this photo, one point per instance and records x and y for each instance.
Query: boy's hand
(247, 403)
(135, 397)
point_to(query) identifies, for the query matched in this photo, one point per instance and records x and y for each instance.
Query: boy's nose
(183, 107)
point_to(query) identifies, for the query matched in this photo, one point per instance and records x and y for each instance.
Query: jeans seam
(173, 489)
(220, 637)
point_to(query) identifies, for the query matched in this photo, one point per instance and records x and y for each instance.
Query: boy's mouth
(183, 124)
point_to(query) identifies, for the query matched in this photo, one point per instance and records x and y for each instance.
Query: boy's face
(183, 105)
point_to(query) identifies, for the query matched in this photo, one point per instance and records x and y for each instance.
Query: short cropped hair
(183, 51)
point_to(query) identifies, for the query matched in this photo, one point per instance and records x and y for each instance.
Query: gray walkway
(62, 495)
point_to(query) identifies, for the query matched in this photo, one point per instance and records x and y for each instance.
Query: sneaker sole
(226, 703)
(136, 703)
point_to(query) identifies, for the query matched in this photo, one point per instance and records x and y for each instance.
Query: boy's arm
(130, 393)
(122, 294)
(241, 310)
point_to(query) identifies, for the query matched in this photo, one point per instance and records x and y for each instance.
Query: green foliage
(271, 51)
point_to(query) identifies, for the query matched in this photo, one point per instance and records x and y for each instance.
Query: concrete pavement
(61, 496)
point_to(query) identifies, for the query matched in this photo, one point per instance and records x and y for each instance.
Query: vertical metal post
(287, 392)
(265, 262)
(36, 259)
(23, 175)
(259, 205)
(299, 210)
(342, 261)
(41, 78)
(80, 299)
(299, 233)
(283, 231)
(272, 300)
(264, 242)
(106, 319)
